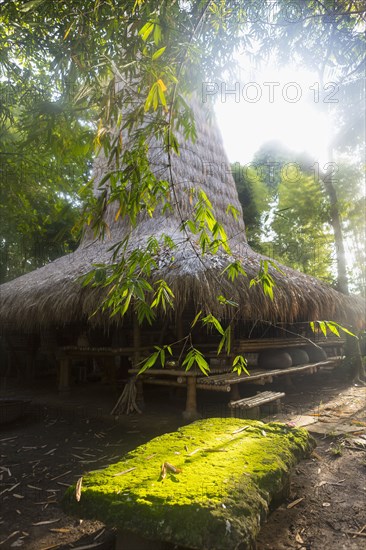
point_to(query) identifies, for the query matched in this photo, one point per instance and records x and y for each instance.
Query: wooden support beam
(234, 393)
(191, 412)
(64, 375)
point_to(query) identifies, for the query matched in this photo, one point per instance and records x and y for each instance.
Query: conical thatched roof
(53, 294)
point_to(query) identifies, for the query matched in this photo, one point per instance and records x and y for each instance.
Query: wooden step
(256, 400)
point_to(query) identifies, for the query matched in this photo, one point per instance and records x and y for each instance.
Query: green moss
(217, 500)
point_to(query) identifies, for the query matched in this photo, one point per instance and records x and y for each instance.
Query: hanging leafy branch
(264, 278)
(333, 327)
(159, 354)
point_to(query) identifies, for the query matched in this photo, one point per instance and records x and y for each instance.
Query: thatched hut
(52, 299)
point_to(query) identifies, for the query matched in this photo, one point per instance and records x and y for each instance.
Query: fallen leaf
(61, 475)
(124, 472)
(10, 536)
(321, 484)
(172, 468)
(239, 430)
(295, 503)
(78, 488)
(50, 452)
(47, 522)
(10, 488)
(87, 546)
(194, 452)
(17, 543)
(315, 455)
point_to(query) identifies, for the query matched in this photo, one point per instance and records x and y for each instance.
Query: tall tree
(290, 216)
(44, 155)
(337, 54)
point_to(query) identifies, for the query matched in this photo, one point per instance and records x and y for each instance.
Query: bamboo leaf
(157, 34)
(162, 96)
(28, 6)
(323, 327)
(150, 361)
(150, 97)
(333, 328)
(212, 320)
(340, 327)
(68, 30)
(157, 54)
(196, 319)
(240, 364)
(146, 30)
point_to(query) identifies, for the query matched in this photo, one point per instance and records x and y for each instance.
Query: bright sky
(287, 105)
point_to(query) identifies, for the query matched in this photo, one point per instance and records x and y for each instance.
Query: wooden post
(234, 392)
(136, 360)
(253, 413)
(277, 406)
(191, 412)
(64, 375)
(289, 383)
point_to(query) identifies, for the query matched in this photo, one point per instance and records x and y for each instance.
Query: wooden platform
(250, 406)
(226, 382)
(262, 376)
(261, 398)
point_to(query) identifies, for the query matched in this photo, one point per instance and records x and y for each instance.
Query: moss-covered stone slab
(206, 486)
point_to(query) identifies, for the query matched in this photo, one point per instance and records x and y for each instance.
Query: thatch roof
(53, 294)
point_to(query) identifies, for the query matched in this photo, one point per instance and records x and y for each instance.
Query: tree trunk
(328, 180)
(354, 360)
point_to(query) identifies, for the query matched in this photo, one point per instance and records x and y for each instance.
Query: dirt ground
(61, 439)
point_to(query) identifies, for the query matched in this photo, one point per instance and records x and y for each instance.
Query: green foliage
(211, 234)
(303, 234)
(333, 327)
(254, 197)
(232, 271)
(288, 214)
(45, 153)
(240, 364)
(128, 281)
(196, 357)
(349, 184)
(264, 277)
(159, 354)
